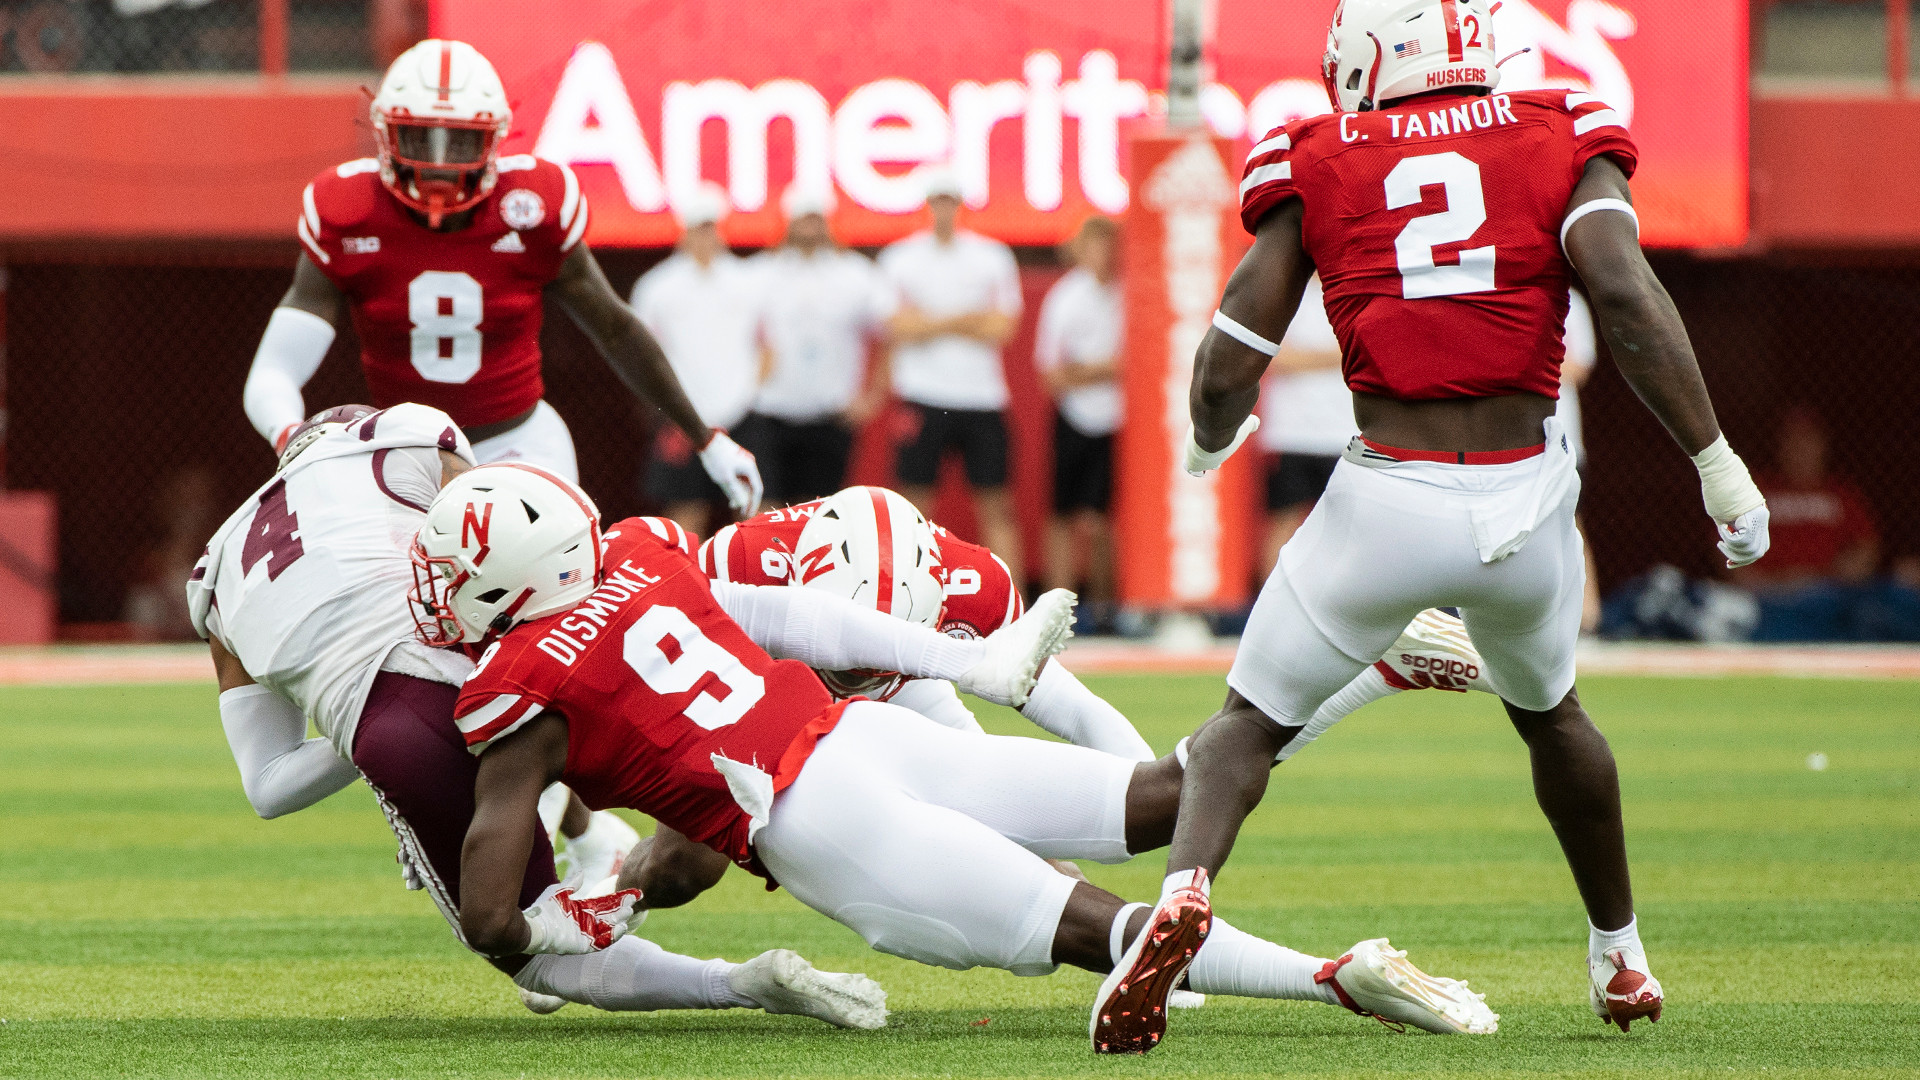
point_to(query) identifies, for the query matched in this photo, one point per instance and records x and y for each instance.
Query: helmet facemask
(438, 166)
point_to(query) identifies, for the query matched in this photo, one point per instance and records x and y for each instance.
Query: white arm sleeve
(280, 770)
(1062, 705)
(831, 634)
(289, 353)
(938, 701)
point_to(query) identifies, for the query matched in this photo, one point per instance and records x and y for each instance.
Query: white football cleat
(597, 853)
(1434, 653)
(1011, 665)
(1622, 990)
(1375, 979)
(1130, 1011)
(540, 1004)
(1186, 999)
(781, 981)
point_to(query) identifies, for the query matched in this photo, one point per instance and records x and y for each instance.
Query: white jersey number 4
(445, 307)
(672, 656)
(1466, 211)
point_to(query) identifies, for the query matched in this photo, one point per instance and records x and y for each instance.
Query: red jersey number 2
(1420, 275)
(672, 656)
(445, 308)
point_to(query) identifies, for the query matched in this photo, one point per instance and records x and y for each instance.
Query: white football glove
(733, 468)
(1744, 541)
(1201, 462)
(558, 923)
(1737, 507)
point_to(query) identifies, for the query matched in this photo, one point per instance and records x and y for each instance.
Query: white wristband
(1225, 324)
(1596, 205)
(1725, 485)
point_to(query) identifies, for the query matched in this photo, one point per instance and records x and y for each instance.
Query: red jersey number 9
(445, 308)
(1466, 211)
(672, 656)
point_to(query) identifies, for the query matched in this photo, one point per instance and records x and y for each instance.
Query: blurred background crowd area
(124, 361)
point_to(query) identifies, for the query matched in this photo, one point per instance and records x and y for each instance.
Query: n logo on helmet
(476, 523)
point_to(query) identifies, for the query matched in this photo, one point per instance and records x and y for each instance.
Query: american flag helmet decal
(1407, 48)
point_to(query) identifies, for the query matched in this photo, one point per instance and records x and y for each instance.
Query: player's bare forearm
(672, 870)
(313, 292)
(506, 811)
(1262, 295)
(1634, 313)
(583, 290)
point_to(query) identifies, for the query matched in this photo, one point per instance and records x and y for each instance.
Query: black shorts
(1082, 469)
(799, 461)
(979, 435)
(1297, 479)
(674, 473)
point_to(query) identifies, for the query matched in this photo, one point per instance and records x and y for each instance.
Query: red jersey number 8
(672, 656)
(1466, 211)
(445, 308)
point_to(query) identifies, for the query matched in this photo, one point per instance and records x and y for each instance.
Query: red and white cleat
(1434, 653)
(1130, 1012)
(1375, 979)
(1622, 990)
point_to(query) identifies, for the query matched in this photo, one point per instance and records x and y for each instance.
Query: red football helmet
(438, 119)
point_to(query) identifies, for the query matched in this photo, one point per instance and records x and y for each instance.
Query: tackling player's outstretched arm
(1649, 343)
(295, 342)
(514, 769)
(506, 811)
(633, 353)
(1258, 305)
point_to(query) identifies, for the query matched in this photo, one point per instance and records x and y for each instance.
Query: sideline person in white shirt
(703, 304)
(1077, 350)
(821, 308)
(952, 301)
(1306, 420)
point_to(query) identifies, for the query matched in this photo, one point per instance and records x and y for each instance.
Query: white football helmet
(503, 543)
(438, 120)
(869, 545)
(1379, 50)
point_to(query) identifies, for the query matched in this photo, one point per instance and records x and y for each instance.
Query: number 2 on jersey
(445, 308)
(672, 656)
(1466, 211)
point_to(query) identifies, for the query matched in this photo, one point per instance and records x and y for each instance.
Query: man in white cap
(703, 305)
(952, 301)
(821, 308)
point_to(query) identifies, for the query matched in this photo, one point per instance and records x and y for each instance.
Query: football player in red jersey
(619, 667)
(1445, 220)
(870, 545)
(443, 253)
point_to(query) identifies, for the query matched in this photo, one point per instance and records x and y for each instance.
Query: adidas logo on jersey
(360, 245)
(509, 244)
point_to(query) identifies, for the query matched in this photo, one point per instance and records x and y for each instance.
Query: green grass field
(150, 925)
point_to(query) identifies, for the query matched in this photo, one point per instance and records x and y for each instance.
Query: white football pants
(542, 440)
(929, 842)
(1385, 543)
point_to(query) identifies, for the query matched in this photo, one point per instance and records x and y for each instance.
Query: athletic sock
(1232, 961)
(1627, 937)
(1117, 936)
(1181, 879)
(634, 975)
(1366, 688)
